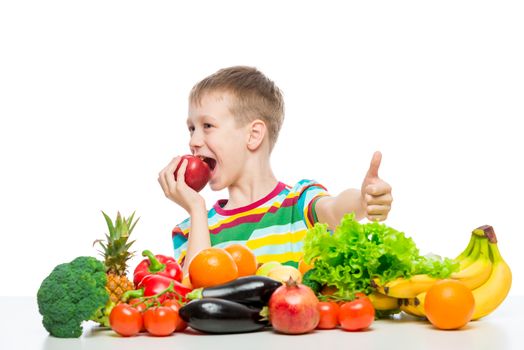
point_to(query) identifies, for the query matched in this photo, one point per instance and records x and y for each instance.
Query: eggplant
(220, 316)
(249, 290)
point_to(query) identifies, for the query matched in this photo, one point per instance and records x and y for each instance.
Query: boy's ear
(257, 132)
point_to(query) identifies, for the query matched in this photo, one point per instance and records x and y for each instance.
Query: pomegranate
(293, 308)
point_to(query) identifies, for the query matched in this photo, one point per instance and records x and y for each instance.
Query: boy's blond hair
(256, 97)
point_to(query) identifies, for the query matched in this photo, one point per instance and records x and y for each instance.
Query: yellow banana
(478, 272)
(492, 293)
(407, 287)
(411, 307)
(464, 258)
(474, 253)
(379, 288)
(419, 302)
(383, 302)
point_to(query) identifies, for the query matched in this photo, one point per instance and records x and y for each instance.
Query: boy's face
(214, 134)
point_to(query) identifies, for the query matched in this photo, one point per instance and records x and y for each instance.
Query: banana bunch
(482, 269)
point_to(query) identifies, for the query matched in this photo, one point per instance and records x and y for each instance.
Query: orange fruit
(244, 258)
(449, 304)
(186, 281)
(211, 267)
(303, 266)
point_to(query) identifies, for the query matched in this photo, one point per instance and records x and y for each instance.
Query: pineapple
(115, 250)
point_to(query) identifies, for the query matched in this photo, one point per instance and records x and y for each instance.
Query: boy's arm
(199, 237)
(330, 210)
(179, 192)
(373, 200)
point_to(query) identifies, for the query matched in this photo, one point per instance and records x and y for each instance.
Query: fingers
(378, 189)
(175, 184)
(374, 165)
(384, 199)
(378, 200)
(162, 180)
(376, 217)
(166, 177)
(378, 210)
(377, 193)
(180, 176)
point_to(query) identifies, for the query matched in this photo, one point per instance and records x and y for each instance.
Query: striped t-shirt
(273, 227)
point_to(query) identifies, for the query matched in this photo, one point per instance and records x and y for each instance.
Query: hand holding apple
(179, 190)
(197, 172)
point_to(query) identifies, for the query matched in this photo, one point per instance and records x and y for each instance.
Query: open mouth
(212, 163)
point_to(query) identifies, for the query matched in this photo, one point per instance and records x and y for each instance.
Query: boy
(234, 119)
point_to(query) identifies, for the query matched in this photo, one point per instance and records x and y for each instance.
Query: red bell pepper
(155, 289)
(157, 265)
(155, 284)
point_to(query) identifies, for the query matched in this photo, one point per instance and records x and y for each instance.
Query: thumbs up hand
(376, 193)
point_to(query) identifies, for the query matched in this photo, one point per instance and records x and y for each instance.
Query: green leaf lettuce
(355, 253)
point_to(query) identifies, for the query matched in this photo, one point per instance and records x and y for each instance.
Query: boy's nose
(196, 141)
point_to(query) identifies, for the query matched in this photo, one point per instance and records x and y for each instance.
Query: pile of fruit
(480, 285)
(346, 279)
(385, 265)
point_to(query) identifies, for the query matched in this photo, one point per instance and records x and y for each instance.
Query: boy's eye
(207, 125)
(191, 129)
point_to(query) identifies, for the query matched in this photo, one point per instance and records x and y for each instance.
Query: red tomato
(328, 311)
(125, 320)
(160, 320)
(141, 307)
(137, 304)
(180, 324)
(197, 172)
(357, 314)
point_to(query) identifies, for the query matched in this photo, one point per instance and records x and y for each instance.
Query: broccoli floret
(73, 292)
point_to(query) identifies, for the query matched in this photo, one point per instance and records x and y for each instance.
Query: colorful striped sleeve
(180, 242)
(309, 192)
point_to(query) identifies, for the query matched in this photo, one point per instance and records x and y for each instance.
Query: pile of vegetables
(348, 261)
(233, 307)
(354, 254)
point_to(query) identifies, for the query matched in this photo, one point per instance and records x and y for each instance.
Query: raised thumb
(374, 165)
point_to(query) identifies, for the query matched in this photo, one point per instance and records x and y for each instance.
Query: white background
(93, 102)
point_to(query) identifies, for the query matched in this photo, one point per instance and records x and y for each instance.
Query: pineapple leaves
(115, 247)
(101, 242)
(130, 221)
(118, 225)
(126, 248)
(109, 225)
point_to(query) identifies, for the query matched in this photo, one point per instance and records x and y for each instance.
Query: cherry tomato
(160, 320)
(357, 314)
(180, 324)
(125, 320)
(328, 311)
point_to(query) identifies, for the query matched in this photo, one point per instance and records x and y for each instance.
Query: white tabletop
(21, 328)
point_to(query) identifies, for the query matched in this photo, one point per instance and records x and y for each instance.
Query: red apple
(197, 172)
